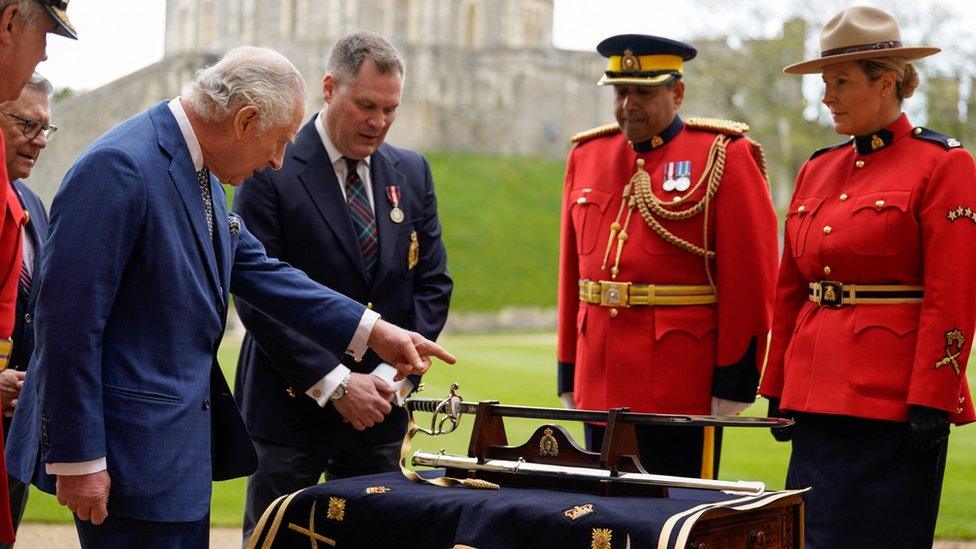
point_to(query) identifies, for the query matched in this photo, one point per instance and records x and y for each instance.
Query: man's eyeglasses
(32, 128)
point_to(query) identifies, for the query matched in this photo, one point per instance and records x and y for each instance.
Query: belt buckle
(831, 294)
(614, 294)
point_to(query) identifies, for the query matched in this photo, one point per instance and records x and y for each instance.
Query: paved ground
(60, 536)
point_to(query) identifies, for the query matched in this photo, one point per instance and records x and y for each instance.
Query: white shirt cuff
(358, 345)
(80, 468)
(321, 391)
(403, 387)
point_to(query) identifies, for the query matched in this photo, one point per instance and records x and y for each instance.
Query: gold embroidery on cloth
(413, 252)
(310, 531)
(378, 490)
(953, 348)
(548, 446)
(578, 512)
(601, 538)
(337, 509)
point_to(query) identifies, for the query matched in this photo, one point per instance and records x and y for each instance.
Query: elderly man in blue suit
(134, 417)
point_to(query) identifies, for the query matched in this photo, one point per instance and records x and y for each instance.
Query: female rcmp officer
(876, 299)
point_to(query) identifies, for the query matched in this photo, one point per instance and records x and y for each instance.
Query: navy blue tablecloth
(387, 510)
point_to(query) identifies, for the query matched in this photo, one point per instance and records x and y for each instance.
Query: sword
(525, 467)
(452, 408)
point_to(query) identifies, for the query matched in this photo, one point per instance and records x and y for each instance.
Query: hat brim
(658, 80)
(64, 28)
(814, 66)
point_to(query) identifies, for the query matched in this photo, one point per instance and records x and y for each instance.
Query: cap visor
(64, 28)
(636, 81)
(814, 66)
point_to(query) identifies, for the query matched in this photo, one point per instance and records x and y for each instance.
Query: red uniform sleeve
(568, 297)
(745, 270)
(791, 295)
(948, 223)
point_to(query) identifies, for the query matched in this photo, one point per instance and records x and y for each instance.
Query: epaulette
(829, 148)
(606, 129)
(728, 127)
(936, 137)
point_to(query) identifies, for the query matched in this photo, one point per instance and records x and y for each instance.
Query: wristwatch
(340, 391)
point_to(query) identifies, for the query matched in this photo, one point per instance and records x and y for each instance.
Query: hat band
(644, 63)
(640, 74)
(891, 44)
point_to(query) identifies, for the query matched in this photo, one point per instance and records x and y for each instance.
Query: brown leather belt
(828, 293)
(609, 293)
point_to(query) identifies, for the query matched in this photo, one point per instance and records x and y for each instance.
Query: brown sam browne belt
(827, 293)
(609, 293)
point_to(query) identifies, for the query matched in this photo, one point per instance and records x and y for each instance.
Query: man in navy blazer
(133, 414)
(25, 128)
(305, 215)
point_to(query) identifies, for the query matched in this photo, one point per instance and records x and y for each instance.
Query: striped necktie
(27, 265)
(362, 216)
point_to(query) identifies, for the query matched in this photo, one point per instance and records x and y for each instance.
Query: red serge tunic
(902, 214)
(665, 358)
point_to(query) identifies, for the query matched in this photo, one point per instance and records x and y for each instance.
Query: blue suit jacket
(301, 217)
(130, 312)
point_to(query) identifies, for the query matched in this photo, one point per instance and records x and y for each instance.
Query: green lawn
(518, 369)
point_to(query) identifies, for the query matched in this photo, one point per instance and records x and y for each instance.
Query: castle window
(469, 25)
(400, 32)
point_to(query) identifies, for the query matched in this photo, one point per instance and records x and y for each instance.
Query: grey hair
(248, 76)
(30, 9)
(351, 50)
(40, 84)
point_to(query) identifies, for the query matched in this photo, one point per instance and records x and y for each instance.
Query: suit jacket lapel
(384, 174)
(184, 178)
(319, 179)
(221, 229)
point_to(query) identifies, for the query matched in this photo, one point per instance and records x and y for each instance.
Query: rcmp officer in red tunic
(876, 300)
(667, 260)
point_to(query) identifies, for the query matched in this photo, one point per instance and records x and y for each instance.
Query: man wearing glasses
(24, 26)
(25, 129)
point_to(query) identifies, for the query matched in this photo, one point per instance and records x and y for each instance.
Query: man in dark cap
(24, 25)
(667, 260)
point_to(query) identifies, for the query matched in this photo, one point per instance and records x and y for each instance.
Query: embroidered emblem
(310, 531)
(377, 490)
(413, 252)
(601, 538)
(960, 213)
(337, 509)
(578, 512)
(548, 446)
(876, 142)
(235, 224)
(953, 348)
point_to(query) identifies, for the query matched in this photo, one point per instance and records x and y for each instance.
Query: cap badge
(629, 62)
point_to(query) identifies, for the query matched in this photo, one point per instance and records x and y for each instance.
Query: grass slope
(518, 369)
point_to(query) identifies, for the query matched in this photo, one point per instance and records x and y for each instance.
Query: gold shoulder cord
(637, 193)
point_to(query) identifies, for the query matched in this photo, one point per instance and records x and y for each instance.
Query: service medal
(393, 195)
(396, 215)
(669, 182)
(683, 176)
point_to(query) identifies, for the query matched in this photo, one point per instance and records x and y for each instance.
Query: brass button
(843, 197)
(801, 209)
(290, 391)
(581, 200)
(962, 399)
(316, 393)
(827, 229)
(614, 313)
(879, 203)
(859, 163)
(917, 131)
(827, 269)
(27, 318)
(959, 410)
(369, 305)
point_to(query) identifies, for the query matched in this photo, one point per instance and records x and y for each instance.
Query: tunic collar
(867, 144)
(662, 138)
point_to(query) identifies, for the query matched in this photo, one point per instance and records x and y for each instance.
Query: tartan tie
(362, 216)
(203, 178)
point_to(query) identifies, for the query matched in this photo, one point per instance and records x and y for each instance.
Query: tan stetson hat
(859, 32)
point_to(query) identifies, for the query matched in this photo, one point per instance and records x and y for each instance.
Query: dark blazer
(23, 336)
(301, 217)
(130, 312)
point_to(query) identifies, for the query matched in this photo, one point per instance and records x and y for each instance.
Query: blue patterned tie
(203, 178)
(362, 216)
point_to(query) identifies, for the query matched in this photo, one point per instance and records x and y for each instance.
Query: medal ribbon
(393, 195)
